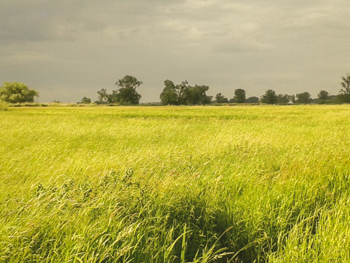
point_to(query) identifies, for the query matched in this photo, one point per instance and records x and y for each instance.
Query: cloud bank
(71, 49)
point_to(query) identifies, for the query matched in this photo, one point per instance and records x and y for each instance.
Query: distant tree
(85, 100)
(269, 97)
(196, 95)
(292, 98)
(344, 93)
(169, 95)
(128, 82)
(346, 84)
(282, 99)
(219, 98)
(184, 94)
(323, 95)
(17, 93)
(103, 96)
(126, 94)
(252, 100)
(285, 99)
(239, 96)
(303, 98)
(180, 90)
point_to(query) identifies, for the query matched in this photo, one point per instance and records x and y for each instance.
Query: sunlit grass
(175, 184)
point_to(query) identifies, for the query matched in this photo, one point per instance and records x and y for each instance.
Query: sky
(70, 49)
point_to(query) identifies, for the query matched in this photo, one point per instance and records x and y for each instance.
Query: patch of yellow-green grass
(175, 184)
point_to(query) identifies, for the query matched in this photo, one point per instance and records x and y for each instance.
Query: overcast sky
(69, 49)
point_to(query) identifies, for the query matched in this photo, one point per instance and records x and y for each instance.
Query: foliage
(3, 105)
(169, 95)
(219, 98)
(125, 95)
(196, 95)
(285, 99)
(323, 95)
(184, 94)
(303, 98)
(103, 96)
(16, 92)
(239, 96)
(252, 100)
(344, 93)
(282, 99)
(85, 100)
(269, 97)
(346, 85)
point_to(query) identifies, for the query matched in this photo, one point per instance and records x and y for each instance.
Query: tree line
(181, 94)
(185, 94)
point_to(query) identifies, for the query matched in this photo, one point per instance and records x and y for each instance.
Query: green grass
(175, 184)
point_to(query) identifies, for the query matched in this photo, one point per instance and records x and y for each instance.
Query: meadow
(175, 184)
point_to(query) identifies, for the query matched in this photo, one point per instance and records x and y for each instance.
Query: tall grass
(175, 184)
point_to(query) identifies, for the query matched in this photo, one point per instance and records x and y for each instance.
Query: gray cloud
(71, 49)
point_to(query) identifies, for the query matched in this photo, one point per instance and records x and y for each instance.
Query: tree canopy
(184, 94)
(282, 99)
(125, 95)
(269, 97)
(239, 96)
(344, 93)
(85, 100)
(169, 95)
(16, 92)
(219, 98)
(323, 95)
(252, 100)
(303, 98)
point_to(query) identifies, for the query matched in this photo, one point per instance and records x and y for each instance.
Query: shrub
(3, 105)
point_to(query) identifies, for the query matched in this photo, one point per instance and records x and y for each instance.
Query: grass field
(175, 184)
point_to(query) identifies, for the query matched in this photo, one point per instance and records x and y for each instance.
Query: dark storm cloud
(70, 49)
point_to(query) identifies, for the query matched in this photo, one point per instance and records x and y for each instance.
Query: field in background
(175, 184)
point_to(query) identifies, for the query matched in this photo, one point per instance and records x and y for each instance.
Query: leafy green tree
(239, 96)
(184, 94)
(344, 93)
(196, 95)
(219, 98)
(345, 84)
(169, 95)
(103, 96)
(303, 98)
(126, 94)
(292, 98)
(323, 95)
(17, 93)
(252, 100)
(180, 90)
(269, 97)
(85, 100)
(283, 99)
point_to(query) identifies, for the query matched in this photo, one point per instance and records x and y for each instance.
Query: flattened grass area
(175, 184)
